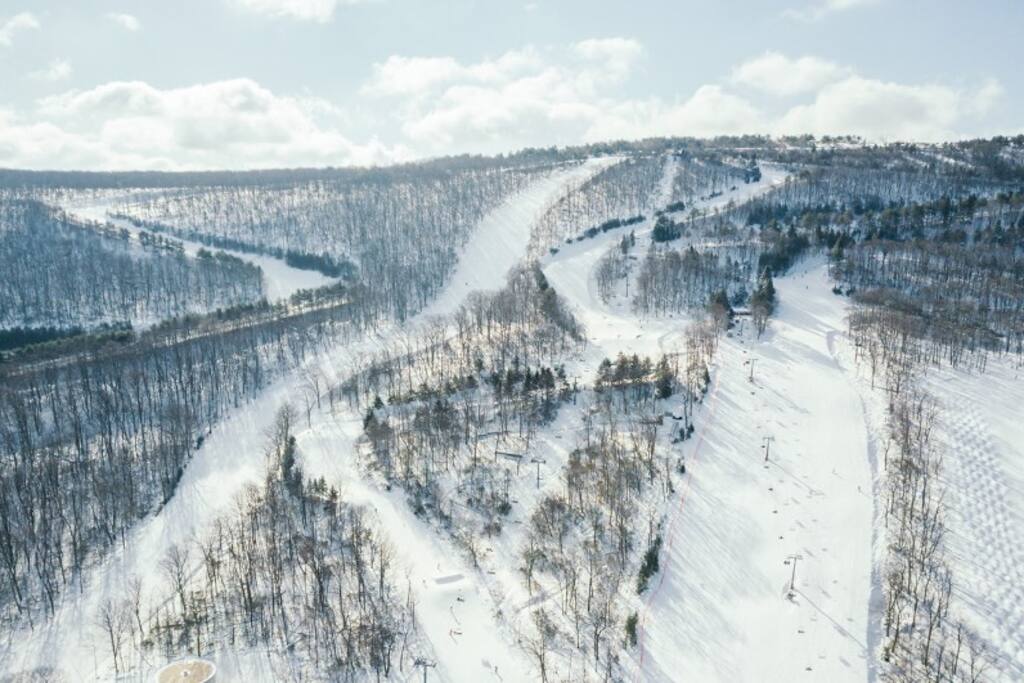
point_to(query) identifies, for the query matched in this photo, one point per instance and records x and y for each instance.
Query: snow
(720, 609)
(280, 280)
(501, 240)
(980, 438)
(450, 595)
(982, 435)
(454, 609)
(613, 328)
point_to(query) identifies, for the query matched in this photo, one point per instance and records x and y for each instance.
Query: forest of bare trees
(623, 190)
(399, 231)
(58, 274)
(923, 639)
(93, 445)
(293, 568)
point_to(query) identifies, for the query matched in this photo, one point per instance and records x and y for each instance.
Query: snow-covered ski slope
(455, 611)
(722, 609)
(501, 240)
(719, 610)
(982, 436)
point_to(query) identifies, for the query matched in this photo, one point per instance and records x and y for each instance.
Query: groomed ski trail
(722, 609)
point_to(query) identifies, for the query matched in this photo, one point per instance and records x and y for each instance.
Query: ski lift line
(685, 489)
(517, 457)
(511, 456)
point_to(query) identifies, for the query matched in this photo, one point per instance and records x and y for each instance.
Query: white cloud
(535, 97)
(880, 110)
(411, 75)
(416, 76)
(985, 98)
(58, 70)
(126, 21)
(777, 74)
(710, 111)
(522, 97)
(16, 24)
(532, 97)
(846, 102)
(225, 124)
(302, 10)
(611, 59)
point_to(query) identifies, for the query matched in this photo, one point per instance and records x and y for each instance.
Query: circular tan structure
(187, 671)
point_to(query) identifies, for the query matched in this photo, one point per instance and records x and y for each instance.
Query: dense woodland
(60, 274)
(620, 191)
(93, 445)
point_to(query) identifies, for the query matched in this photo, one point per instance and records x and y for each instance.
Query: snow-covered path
(720, 609)
(454, 610)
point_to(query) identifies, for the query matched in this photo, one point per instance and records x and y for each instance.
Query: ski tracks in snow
(983, 492)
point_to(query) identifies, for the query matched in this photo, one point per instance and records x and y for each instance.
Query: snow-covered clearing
(454, 609)
(721, 608)
(280, 280)
(982, 435)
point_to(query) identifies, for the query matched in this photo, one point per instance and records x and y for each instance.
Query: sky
(208, 84)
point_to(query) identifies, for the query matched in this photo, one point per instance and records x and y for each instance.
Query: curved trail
(613, 327)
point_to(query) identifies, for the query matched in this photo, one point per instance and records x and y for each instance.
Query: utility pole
(752, 361)
(538, 461)
(420, 662)
(792, 559)
(767, 446)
